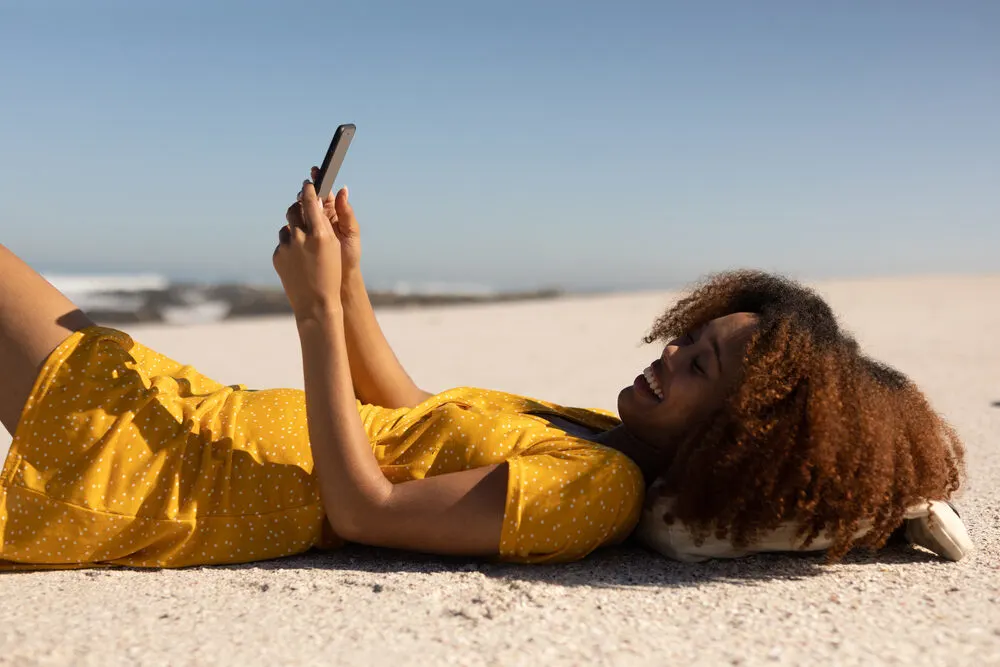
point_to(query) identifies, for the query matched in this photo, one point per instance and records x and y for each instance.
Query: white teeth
(653, 383)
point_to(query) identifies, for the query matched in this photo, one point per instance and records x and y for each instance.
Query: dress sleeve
(378, 421)
(566, 499)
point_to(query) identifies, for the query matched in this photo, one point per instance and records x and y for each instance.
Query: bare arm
(376, 373)
(458, 513)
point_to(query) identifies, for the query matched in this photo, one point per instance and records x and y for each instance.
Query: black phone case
(334, 158)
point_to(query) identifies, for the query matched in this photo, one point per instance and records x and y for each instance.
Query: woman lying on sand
(760, 422)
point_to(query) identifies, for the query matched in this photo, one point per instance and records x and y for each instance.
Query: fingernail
(346, 193)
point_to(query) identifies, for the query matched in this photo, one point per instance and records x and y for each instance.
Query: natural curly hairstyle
(812, 431)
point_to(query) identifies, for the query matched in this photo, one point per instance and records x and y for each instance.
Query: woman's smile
(652, 382)
(643, 385)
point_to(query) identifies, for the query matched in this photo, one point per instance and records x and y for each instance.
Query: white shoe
(938, 528)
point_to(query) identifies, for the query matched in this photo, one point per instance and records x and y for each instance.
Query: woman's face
(687, 382)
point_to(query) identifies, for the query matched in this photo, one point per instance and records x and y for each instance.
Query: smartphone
(334, 158)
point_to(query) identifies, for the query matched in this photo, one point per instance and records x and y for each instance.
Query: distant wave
(81, 284)
(139, 297)
(405, 288)
(150, 297)
(144, 282)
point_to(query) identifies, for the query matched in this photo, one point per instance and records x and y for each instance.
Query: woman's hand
(345, 225)
(308, 259)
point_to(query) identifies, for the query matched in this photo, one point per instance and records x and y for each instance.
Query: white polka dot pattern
(125, 457)
(565, 496)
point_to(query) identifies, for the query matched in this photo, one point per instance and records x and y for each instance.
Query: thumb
(347, 223)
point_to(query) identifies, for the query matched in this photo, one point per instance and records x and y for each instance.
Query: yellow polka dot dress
(125, 457)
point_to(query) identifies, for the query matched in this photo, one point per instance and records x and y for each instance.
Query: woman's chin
(642, 393)
(635, 407)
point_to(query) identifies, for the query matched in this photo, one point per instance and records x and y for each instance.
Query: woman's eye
(696, 366)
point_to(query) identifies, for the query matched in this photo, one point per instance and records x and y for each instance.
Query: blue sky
(583, 145)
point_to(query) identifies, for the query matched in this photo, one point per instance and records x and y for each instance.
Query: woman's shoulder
(567, 499)
(502, 401)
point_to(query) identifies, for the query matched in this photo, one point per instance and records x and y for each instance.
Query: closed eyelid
(697, 367)
(714, 342)
(718, 353)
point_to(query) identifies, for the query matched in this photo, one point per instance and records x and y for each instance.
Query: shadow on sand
(616, 567)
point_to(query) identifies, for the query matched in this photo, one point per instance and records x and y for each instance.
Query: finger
(309, 192)
(330, 207)
(284, 235)
(293, 216)
(347, 222)
(315, 219)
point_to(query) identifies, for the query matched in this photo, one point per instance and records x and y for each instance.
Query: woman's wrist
(352, 283)
(322, 315)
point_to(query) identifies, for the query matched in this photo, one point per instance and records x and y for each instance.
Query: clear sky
(574, 144)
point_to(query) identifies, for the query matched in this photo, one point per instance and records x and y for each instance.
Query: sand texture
(364, 606)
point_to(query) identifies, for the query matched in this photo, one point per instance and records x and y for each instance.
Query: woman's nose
(668, 355)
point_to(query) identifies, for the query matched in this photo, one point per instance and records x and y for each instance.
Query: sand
(364, 606)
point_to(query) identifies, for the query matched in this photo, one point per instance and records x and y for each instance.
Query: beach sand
(363, 606)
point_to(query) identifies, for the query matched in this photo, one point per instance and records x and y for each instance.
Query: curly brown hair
(813, 431)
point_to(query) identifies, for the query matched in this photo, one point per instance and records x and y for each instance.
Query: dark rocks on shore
(184, 304)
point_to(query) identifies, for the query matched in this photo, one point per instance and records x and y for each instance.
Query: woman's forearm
(376, 373)
(352, 486)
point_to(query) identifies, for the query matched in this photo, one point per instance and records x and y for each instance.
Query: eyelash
(695, 366)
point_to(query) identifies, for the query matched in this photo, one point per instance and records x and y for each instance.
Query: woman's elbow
(354, 521)
(348, 526)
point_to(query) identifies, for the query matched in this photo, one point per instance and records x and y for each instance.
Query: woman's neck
(651, 460)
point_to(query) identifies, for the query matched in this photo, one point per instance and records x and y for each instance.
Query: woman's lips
(641, 386)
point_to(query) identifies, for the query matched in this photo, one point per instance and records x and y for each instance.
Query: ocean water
(122, 295)
(70, 284)
(154, 296)
(406, 288)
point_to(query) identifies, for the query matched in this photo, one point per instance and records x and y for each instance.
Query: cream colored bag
(934, 526)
